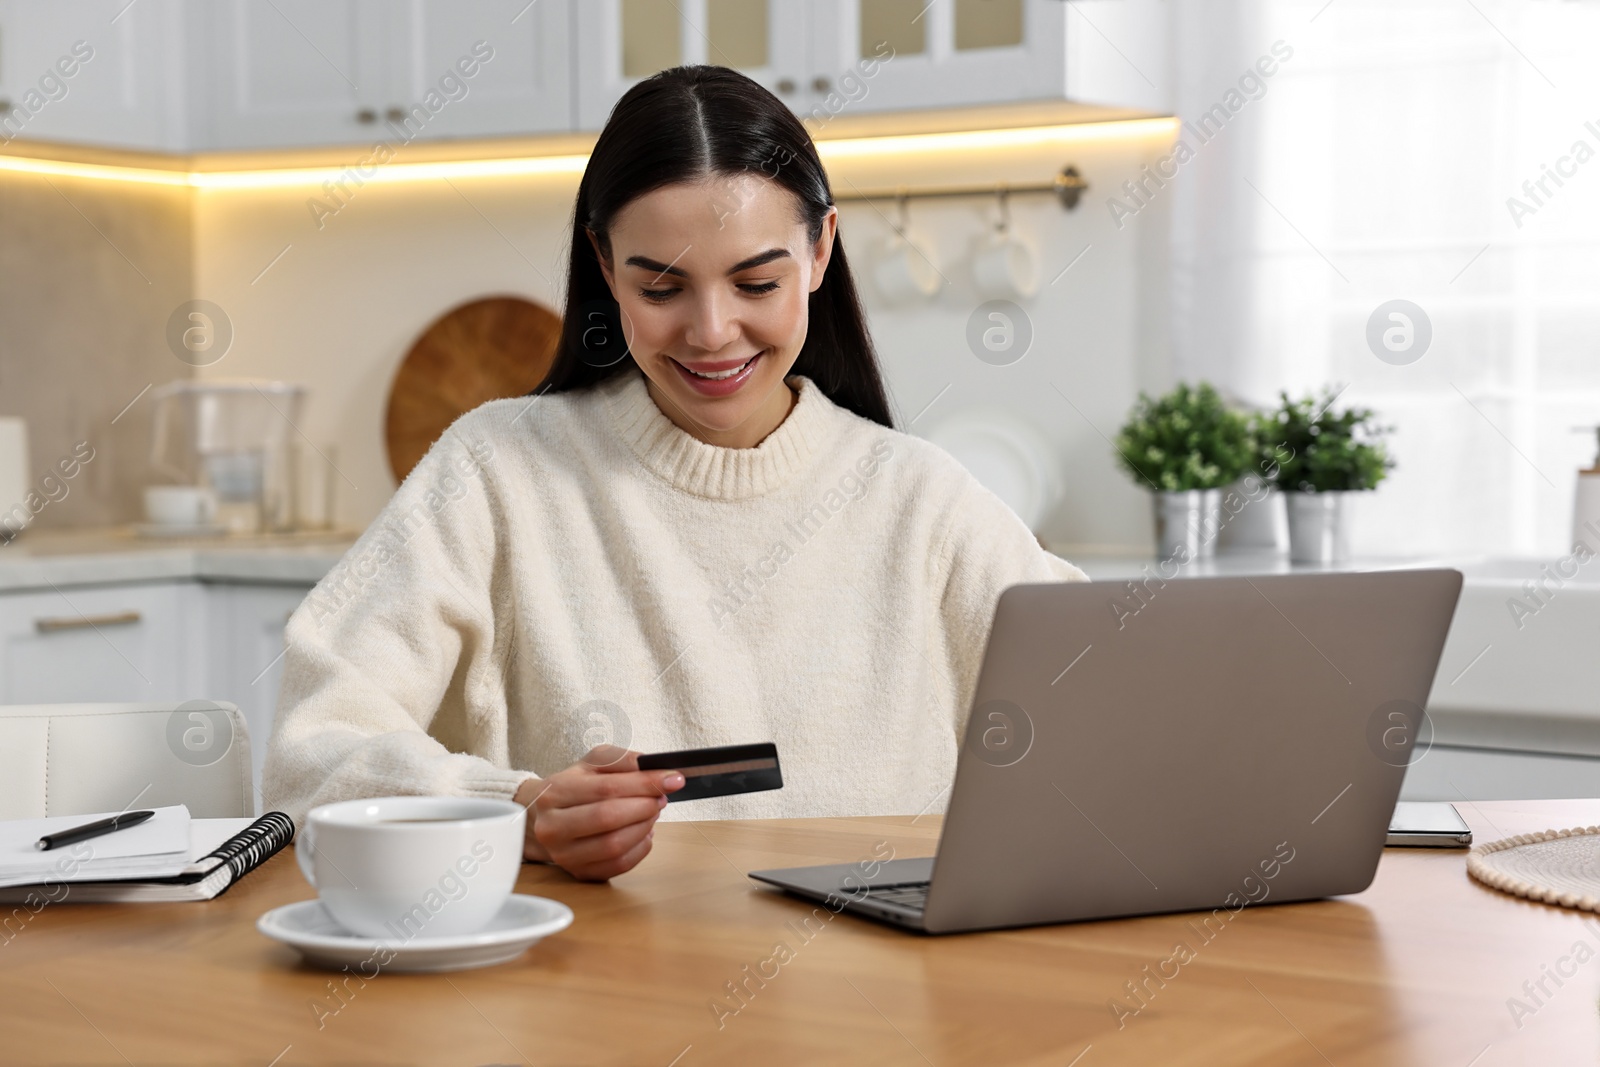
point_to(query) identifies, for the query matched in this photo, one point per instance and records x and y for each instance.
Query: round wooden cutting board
(498, 347)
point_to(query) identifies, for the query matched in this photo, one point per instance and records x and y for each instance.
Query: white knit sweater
(575, 569)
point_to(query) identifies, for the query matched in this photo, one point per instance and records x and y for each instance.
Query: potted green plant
(1318, 457)
(1185, 447)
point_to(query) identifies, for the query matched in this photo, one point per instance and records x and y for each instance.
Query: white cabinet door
(295, 72)
(94, 72)
(1118, 55)
(891, 55)
(245, 660)
(172, 641)
(479, 68)
(99, 643)
(620, 42)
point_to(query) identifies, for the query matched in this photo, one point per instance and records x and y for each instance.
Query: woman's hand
(595, 819)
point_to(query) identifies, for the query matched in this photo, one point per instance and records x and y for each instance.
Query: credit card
(721, 771)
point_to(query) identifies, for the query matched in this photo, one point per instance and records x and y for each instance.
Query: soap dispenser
(1586, 505)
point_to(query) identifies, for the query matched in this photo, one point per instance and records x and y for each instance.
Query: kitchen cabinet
(830, 57)
(1462, 775)
(1119, 54)
(185, 76)
(131, 642)
(524, 87)
(302, 72)
(620, 42)
(245, 653)
(290, 72)
(892, 55)
(156, 641)
(94, 71)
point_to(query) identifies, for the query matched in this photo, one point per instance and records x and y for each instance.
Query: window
(1428, 150)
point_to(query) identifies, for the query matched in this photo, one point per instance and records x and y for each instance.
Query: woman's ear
(822, 251)
(603, 259)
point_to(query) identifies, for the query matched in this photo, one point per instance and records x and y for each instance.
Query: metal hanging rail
(1068, 187)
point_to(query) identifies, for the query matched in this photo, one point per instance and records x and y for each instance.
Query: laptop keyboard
(913, 895)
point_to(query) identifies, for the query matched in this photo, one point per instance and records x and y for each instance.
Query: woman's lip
(718, 367)
(715, 387)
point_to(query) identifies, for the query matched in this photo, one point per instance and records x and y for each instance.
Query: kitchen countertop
(40, 558)
(1487, 571)
(1527, 681)
(45, 559)
(1103, 567)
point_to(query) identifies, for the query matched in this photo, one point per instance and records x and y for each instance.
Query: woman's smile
(718, 377)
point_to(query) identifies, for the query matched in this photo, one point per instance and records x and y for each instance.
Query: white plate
(1006, 457)
(523, 921)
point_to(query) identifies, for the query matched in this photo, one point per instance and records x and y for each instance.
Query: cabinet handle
(85, 622)
(785, 85)
(395, 114)
(366, 116)
(821, 83)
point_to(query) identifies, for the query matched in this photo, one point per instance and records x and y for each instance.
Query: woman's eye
(657, 296)
(759, 287)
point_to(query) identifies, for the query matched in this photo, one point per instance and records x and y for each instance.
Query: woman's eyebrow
(760, 259)
(646, 263)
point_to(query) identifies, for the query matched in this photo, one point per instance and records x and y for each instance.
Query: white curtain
(1376, 163)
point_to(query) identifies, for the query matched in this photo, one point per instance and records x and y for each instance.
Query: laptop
(1136, 748)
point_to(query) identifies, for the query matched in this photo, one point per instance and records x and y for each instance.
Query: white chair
(74, 759)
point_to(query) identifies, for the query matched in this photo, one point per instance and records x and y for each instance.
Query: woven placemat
(1556, 866)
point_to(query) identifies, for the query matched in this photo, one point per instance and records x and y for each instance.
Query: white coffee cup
(1004, 267)
(180, 505)
(904, 272)
(404, 868)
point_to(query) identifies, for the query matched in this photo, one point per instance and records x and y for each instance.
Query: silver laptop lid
(1150, 747)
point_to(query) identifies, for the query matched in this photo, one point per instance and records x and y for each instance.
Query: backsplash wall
(89, 273)
(85, 302)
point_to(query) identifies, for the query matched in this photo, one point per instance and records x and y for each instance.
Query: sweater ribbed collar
(689, 464)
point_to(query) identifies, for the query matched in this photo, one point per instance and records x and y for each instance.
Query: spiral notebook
(221, 851)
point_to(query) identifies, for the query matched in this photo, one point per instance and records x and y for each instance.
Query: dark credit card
(719, 772)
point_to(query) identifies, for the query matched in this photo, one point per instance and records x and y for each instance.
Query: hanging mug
(1004, 267)
(904, 272)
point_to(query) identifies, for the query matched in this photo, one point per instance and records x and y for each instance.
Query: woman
(712, 535)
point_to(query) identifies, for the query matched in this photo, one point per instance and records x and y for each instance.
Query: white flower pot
(1317, 524)
(1253, 517)
(1186, 523)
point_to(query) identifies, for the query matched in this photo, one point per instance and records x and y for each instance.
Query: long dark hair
(682, 125)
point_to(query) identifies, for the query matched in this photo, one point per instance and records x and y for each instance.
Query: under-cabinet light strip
(370, 170)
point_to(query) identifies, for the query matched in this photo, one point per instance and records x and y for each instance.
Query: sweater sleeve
(987, 549)
(397, 646)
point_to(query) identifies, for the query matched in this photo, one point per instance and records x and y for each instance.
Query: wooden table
(1417, 970)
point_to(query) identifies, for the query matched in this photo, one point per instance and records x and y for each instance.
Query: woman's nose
(712, 325)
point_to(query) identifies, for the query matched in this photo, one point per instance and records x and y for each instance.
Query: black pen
(93, 829)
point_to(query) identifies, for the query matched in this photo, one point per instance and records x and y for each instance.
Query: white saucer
(523, 921)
